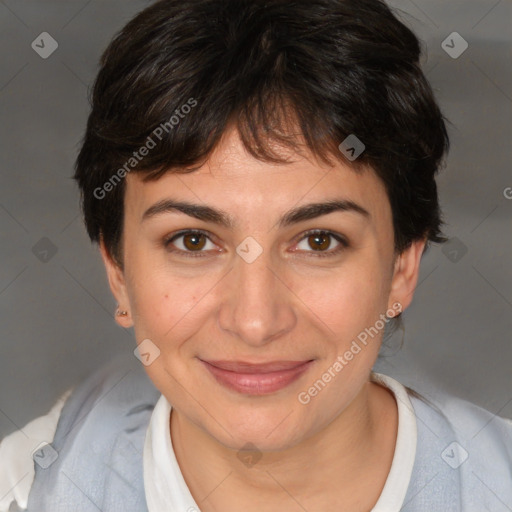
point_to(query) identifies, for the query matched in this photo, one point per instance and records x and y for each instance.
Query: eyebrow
(293, 216)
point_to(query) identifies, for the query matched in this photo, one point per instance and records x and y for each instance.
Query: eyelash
(315, 254)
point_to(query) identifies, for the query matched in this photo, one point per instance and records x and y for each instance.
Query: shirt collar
(166, 488)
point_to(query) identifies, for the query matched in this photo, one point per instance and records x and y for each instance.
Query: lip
(256, 379)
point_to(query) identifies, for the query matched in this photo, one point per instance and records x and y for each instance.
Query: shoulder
(464, 454)
(16, 455)
(468, 422)
(113, 405)
(112, 391)
(99, 441)
(89, 441)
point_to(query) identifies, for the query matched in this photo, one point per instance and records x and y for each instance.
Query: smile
(256, 379)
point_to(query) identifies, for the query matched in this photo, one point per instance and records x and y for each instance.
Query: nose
(257, 305)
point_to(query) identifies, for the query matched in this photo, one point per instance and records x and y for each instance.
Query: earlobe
(116, 280)
(405, 275)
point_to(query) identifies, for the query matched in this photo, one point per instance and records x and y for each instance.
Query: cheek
(346, 299)
(165, 305)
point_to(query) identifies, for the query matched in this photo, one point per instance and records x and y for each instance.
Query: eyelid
(342, 240)
(170, 238)
(181, 232)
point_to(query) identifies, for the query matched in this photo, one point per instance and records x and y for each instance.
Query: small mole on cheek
(166, 296)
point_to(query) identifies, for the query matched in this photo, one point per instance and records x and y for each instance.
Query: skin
(288, 304)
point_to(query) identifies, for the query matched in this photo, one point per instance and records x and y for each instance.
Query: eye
(193, 243)
(318, 241)
(189, 242)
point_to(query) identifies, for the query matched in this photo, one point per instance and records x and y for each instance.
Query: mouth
(256, 379)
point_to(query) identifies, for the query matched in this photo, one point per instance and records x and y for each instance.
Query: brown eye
(194, 241)
(320, 241)
(190, 243)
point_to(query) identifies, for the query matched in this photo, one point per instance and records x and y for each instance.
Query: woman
(260, 178)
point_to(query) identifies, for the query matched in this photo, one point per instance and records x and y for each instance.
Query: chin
(274, 430)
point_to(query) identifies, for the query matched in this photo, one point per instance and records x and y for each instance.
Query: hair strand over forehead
(304, 74)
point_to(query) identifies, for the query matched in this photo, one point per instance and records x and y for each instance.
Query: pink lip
(256, 379)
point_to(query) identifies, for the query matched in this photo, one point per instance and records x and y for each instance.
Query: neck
(347, 461)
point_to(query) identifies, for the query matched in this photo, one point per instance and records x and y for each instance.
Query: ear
(117, 284)
(405, 275)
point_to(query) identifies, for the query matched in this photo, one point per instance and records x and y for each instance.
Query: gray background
(56, 311)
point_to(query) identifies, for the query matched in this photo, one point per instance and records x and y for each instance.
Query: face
(254, 273)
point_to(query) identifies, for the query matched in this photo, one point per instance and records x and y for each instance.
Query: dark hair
(302, 73)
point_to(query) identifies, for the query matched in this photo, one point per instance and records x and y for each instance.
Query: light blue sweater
(463, 457)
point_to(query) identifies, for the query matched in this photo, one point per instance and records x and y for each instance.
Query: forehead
(234, 180)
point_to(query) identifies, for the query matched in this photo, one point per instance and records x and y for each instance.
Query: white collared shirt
(164, 484)
(167, 490)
